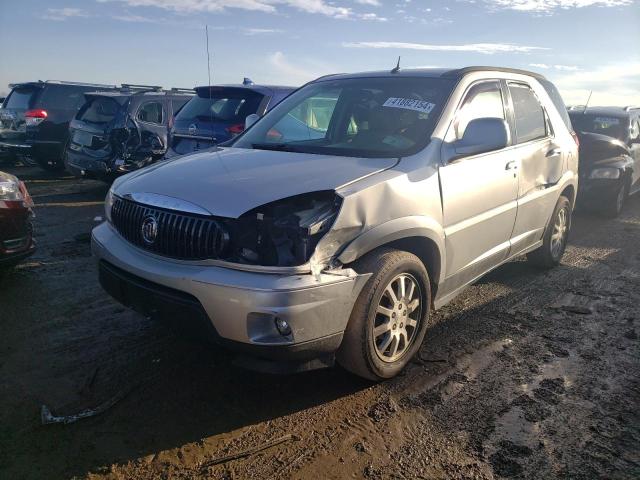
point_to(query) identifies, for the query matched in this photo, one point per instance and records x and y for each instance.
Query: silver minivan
(330, 229)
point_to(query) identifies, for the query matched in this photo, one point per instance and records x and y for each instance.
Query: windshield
(227, 106)
(361, 117)
(602, 124)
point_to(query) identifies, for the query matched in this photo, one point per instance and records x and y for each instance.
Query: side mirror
(250, 120)
(482, 135)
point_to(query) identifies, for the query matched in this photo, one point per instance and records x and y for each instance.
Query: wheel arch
(420, 236)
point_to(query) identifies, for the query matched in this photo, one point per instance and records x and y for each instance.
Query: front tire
(389, 319)
(555, 237)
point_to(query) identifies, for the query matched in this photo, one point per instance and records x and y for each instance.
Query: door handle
(554, 152)
(512, 165)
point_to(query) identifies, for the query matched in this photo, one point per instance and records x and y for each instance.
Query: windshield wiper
(280, 147)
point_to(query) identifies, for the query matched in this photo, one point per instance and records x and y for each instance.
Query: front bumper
(233, 307)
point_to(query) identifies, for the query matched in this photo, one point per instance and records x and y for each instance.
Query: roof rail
(182, 90)
(631, 107)
(65, 82)
(134, 86)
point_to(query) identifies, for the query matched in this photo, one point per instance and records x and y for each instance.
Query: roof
(62, 82)
(253, 87)
(611, 111)
(455, 73)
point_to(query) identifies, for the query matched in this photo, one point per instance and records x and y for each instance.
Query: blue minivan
(217, 114)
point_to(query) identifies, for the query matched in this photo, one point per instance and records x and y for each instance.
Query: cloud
(62, 14)
(286, 72)
(373, 3)
(544, 66)
(321, 7)
(550, 6)
(615, 84)
(372, 16)
(260, 31)
(485, 48)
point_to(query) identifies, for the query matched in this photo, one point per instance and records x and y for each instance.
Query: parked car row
(103, 131)
(609, 155)
(324, 224)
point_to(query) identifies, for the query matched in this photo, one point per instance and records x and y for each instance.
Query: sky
(581, 45)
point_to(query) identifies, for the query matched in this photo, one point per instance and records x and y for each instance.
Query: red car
(16, 214)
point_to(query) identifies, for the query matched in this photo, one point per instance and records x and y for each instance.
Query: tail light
(575, 138)
(34, 117)
(236, 129)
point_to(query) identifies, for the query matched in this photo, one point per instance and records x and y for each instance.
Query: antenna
(397, 67)
(587, 104)
(206, 30)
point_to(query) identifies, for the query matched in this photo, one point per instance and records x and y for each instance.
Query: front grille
(178, 235)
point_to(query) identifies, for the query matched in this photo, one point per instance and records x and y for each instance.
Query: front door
(479, 194)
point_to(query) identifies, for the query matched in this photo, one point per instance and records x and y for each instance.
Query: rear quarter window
(62, 97)
(556, 98)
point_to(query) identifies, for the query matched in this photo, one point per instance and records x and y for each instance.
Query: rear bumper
(87, 164)
(593, 192)
(234, 308)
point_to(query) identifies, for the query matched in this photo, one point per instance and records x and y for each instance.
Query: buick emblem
(149, 229)
(192, 129)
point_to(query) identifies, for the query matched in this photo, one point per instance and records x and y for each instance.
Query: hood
(596, 148)
(228, 182)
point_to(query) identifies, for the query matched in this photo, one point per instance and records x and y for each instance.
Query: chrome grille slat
(180, 235)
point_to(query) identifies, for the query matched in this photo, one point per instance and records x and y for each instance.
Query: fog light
(283, 327)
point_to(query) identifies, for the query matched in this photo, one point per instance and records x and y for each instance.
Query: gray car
(336, 223)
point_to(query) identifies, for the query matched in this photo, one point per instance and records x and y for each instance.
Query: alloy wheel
(559, 234)
(398, 316)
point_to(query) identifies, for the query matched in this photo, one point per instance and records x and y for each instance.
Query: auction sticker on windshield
(410, 104)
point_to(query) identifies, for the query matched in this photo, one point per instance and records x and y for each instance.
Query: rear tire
(555, 237)
(615, 203)
(389, 321)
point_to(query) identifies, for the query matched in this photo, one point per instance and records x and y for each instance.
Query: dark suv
(119, 131)
(217, 114)
(34, 120)
(609, 155)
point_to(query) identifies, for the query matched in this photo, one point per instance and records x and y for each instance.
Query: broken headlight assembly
(108, 204)
(282, 233)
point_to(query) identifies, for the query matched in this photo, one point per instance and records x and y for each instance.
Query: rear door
(152, 118)
(12, 124)
(541, 164)
(90, 130)
(214, 115)
(479, 193)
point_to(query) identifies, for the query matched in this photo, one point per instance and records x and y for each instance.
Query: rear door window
(529, 115)
(21, 98)
(151, 112)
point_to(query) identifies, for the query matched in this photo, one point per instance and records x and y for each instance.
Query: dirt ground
(528, 374)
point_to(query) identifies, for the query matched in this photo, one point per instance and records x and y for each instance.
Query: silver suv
(332, 227)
